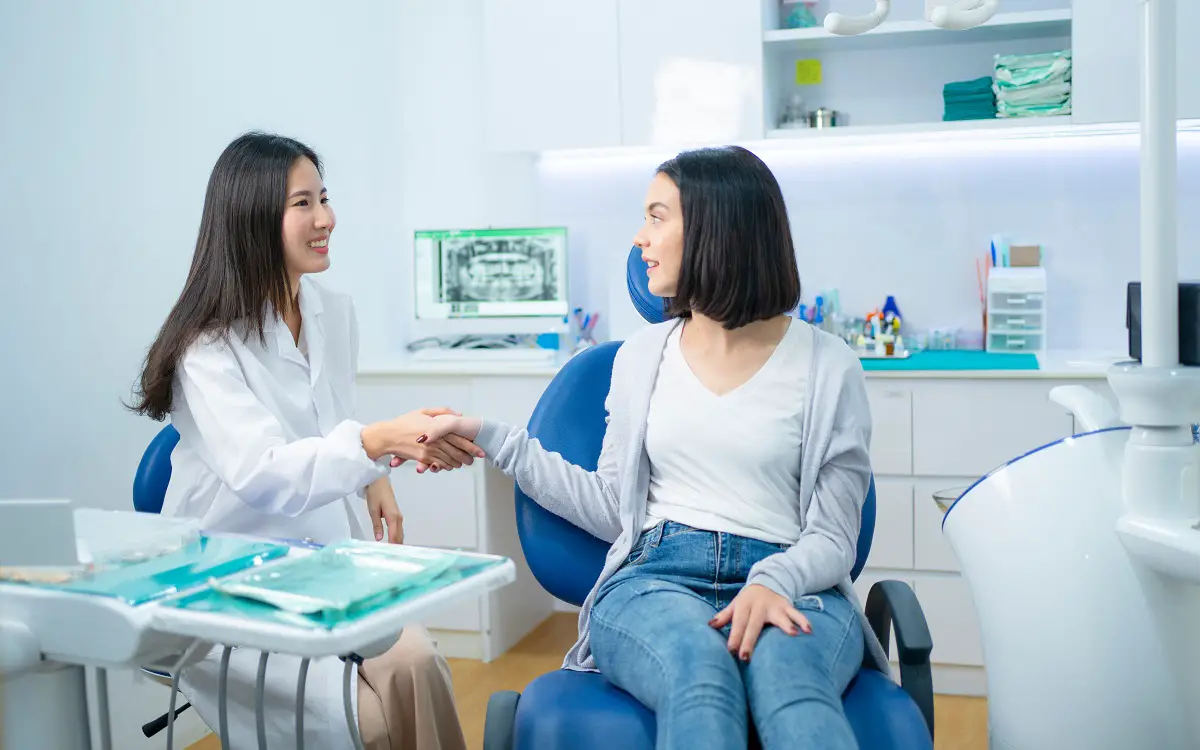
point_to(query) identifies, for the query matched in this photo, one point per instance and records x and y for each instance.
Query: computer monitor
(490, 280)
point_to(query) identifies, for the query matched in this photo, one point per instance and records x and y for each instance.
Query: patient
(730, 483)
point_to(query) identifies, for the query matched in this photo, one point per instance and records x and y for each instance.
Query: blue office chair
(149, 490)
(566, 709)
(154, 472)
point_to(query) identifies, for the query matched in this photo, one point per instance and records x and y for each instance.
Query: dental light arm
(958, 15)
(964, 14)
(836, 23)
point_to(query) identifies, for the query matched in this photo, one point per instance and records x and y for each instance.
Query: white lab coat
(267, 446)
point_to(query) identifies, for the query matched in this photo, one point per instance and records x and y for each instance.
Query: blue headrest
(650, 307)
(154, 472)
(569, 420)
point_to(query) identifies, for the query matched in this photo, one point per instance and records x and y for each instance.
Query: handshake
(436, 439)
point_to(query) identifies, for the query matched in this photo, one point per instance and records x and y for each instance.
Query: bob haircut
(739, 263)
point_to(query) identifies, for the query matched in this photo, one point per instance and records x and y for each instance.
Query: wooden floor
(961, 722)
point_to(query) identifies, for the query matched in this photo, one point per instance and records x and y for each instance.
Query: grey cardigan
(610, 503)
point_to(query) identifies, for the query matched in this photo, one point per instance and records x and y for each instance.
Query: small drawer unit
(1016, 312)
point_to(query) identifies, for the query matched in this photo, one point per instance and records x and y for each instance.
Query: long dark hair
(238, 267)
(739, 263)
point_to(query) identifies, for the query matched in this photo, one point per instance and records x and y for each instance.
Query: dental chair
(149, 490)
(568, 709)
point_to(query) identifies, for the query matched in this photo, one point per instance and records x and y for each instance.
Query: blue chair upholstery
(565, 709)
(149, 490)
(154, 472)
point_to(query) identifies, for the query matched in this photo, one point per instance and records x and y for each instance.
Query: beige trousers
(405, 700)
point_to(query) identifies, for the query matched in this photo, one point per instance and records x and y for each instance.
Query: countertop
(1067, 365)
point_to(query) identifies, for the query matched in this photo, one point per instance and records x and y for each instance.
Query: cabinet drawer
(892, 544)
(1016, 322)
(891, 428)
(507, 399)
(1016, 301)
(968, 428)
(1014, 342)
(953, 624)
(439, 509)
(862, 587)
(465, 615)
(381, 398)
(931, 550)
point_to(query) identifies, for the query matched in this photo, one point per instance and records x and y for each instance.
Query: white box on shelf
(1016, 310)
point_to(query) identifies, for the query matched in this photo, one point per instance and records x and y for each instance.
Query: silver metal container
(824, 118)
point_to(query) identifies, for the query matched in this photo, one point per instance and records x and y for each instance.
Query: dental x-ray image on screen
(491, 273)
(502, 269)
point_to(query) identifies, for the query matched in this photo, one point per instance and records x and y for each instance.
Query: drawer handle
(1016, 321)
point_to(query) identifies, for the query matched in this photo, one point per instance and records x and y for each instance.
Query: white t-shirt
(730, 463)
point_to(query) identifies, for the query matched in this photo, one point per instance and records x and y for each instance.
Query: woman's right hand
(407, 438)
(453, 427)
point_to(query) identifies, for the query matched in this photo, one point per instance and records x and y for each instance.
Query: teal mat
(955, 360)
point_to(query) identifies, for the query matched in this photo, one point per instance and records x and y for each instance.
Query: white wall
(909, 220)
(115, 114)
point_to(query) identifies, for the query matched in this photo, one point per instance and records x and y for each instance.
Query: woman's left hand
(752, 609)
(381, 503)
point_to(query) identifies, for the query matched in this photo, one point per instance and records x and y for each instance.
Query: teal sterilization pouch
(188, 567)
(1019, 71)
(340, 582)
(210, 600)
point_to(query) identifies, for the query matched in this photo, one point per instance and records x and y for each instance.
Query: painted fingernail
(808, 629)
(422, 438)
(378, 535)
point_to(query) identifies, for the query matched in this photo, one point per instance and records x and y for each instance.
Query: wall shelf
(996, 127)
(1001, 27)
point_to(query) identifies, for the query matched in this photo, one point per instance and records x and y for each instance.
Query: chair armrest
(892, 604)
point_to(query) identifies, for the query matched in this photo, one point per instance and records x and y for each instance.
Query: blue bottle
(891, 310)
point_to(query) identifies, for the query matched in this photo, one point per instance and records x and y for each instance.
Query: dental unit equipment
(1083, 556)
(952, 15)
(171, 594)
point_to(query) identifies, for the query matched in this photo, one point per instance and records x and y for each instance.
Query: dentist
(255, 366)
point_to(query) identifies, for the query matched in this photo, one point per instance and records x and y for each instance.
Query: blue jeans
(650, 637)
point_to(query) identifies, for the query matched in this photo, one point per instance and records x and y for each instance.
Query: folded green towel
(972, 86)
(982, 114)
(963, 116)
(985, 96)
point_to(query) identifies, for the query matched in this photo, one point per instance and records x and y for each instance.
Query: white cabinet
(891, 428)
(969, 428)
(931, 550)
(953, 624)
(892, 544)
(1107, 60)
(469, 508)
(551, 75)
(691, 71)
(939, 433)
(439, 509)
